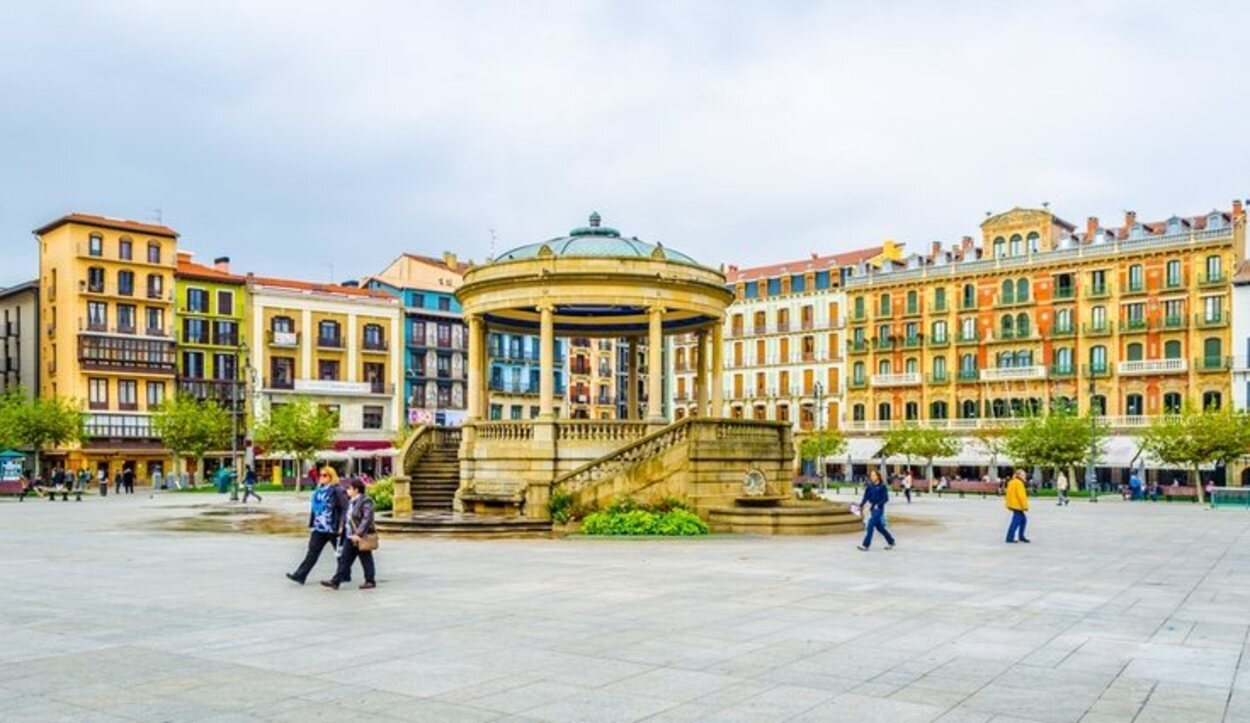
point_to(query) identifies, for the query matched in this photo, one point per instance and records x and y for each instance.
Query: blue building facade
(514, 375)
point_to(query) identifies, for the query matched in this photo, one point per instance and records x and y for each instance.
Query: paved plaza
(1116, 612)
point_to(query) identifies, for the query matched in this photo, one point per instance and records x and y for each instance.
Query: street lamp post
(820, 442)
(1091, 477)
(239, 350)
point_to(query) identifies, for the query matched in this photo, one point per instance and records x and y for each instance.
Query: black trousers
(249, 491)
(316, 543)
(348, 556)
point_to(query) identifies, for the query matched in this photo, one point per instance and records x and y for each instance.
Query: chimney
(222, 264)
(1091, 227)
(1239, 211)
(449, 259)
(937, 249)
(965, 243)
(185, 256)
(351, 284)
(1130, 218)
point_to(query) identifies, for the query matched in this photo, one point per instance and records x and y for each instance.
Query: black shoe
(368, 585)
(1025, 539)
(1011, 542)
(291, 576)
(330, 584)
(861, 548)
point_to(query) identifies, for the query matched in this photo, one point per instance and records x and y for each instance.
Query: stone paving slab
(1116, 612)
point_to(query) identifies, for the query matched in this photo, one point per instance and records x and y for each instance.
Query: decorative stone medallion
(754, 484)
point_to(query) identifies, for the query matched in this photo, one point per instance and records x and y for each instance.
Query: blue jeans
(1018, 521)
(875, 523)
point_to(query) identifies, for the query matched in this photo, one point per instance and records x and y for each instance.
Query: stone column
(655, 351)
(476, 353)
(483, 371)
(546, 366)
(718, 371)
(631, 397)
(700, 373)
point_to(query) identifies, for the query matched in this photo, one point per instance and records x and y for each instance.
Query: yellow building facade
(107, 338)
(1130, 321)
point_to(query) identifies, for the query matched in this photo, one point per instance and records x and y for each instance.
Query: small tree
(1194, 438)
(822, 445)
(1055, 441)
(298, 428)
(47, 421)
(11, 402)
(190, 427)
(994, 444)
(927, 443)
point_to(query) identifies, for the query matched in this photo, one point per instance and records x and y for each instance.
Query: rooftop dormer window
(1215, 220)
(1175, 225)
(1136, 231)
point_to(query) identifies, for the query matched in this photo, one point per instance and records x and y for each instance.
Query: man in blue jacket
(873, 505)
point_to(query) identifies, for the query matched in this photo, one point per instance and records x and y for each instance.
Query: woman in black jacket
(359, 538)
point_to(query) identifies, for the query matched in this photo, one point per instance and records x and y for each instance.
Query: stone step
(785, 519)
(450, 524)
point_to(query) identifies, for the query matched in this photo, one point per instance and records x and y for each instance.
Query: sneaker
(330, 584)
(861, 548)
(1025, 539)
(890, 546)
(291, 576)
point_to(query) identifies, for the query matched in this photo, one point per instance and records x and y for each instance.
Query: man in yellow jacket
(1017, 500)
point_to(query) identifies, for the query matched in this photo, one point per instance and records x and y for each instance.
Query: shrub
(625, 516)
(561, 507)
(382, 492)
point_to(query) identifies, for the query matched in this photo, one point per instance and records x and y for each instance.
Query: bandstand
(595, 283)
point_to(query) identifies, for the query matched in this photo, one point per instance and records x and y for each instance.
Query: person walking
(80, 485)
(128, 480)
(360, 538)
(325, 521)
(249, 484)
(102, 479)
(1061, 488)
(907, 483)
(1017, 500)
(873, 504)
(1134, 486)
(117, 482)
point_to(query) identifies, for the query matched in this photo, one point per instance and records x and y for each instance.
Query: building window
(496, 412)
(95, 280)
(1098, 317)
(194, 331)
(1211, 401)
(1008, 294)
(125, 248)
(1098, 281)
(1098, 405)
(328, 333)
(1008, 326)
(1063, 321)
(282, 324)
(156, 394)
(1133, 352)
(1136, 278)
(937, 410)
(156, 321)
(913, 302)
(98, 393)
(968, 410)
(1174, 273)
(334, 412)
(1172, 403)
(154, 253)
(1133, 405)
(372, 417)
(1063, 360)
(373, 337)
(1022, 290)
(857, 373)
(375, 375)
(95, 245)
(225, 302)
(883, 306)
(911, 411)
(328, 370)
(939, 368)
(127, 394)
(126, 283)
(444, 303)
(939, 332)
(1000, 247)
(939, 299)
(226, 333)
(197, 301)
(1213, 309)
(282, 372)
(126, 318)
(193, 364)
(1035, 242)
(156, 286)
(1172, 349)
(883, 367)
(224, 367)
(1098, 359)
(1214, 268)
(883, 412)
(857, 413)
(1017, 245)
(970, 296)
(97, 316)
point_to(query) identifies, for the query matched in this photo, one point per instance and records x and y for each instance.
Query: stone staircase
(455, 524)
(435, 478)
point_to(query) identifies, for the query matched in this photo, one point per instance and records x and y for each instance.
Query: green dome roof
(594, 241)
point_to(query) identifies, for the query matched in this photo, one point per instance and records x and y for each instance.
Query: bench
(485, 503)
(1170, 492)
(962, 487)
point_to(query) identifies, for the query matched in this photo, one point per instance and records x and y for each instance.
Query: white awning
(971, 454)
(1119, 451)
(860, 450)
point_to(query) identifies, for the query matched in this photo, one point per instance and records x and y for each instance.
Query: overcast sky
(300, 137)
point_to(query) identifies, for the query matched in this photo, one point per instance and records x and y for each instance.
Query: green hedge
(382, 492)
(669, 517)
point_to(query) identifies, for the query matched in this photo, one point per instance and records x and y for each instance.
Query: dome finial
(595, 219)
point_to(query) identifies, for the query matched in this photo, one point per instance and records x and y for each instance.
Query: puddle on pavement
(245, 520)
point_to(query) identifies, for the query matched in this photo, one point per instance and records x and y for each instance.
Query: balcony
(1062, 331)
(938, 378)
(972, 338)
(912, 311)
(939, 342)
(1011, 374)
(279, 383)
(1098, 292)
(374, 345)
(334, 386)
(1061, 371)
(329, 342)
(283, 338)
(1064, 293)
(905, 379)
(967, 304)
(939, 307)
(1096, 371)
(155, 293)
(1097, 329)
(509, 387)
(1213, 363)
(968, 375)
(1007, 303)
(225, 392)
(883, 343)
(1174, 323)
(111, 353)
(1134, 289)
(1152, 366)
(1207, 321)
(912, 342)
(1218, 278)
(859, 347)
(856, 383)
(1133, 326)
(119, 426)
(1174, 282)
